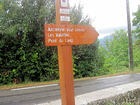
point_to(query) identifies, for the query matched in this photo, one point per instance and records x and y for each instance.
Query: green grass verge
(29, 84)
(26, 84)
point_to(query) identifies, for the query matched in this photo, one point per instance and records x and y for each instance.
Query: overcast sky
(107, 15)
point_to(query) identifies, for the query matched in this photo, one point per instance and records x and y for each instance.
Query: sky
(107, 15)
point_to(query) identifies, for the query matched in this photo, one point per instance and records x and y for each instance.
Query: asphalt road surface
(32, 96)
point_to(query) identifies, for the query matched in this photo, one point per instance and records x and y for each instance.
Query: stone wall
(129, 98)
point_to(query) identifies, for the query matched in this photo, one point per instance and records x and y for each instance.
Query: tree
(86, 57)
(136, 32)
(136, 23)
(23, 55)
(116, 52)
(77, 16)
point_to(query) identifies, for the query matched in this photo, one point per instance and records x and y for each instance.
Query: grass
(29, 84)
(26, 84)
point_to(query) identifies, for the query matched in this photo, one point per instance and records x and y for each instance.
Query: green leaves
(77, 16)
(136, 33)
(87, 61)
(23, 55)
(136, 22)
(116, 52)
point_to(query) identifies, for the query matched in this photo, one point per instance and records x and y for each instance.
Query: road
(33, 96)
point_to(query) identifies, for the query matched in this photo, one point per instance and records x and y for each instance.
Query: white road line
(34, 87)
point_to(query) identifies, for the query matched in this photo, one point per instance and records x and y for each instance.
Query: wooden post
(65, 65)
(131, 65)
(66, 75)
(76, 35)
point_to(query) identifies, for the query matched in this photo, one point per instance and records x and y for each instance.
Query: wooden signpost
(64, 35)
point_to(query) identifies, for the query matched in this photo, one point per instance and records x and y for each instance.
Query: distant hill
(103, 40)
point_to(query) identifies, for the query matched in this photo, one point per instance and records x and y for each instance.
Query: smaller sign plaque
(64, 11)
(65, 18)
(64, 3)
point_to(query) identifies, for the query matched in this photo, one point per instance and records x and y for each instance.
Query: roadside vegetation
(25, 59)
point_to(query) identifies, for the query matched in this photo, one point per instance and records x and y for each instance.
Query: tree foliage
(136, 22)
(136, 32)
(23, 55)
(115, 52)
(86, 57)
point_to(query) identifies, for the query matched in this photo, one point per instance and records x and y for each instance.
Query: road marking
(34, 87)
